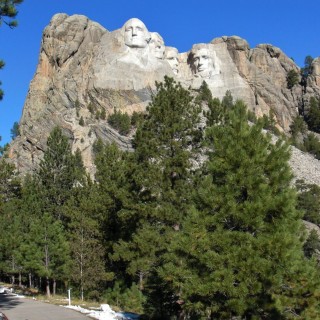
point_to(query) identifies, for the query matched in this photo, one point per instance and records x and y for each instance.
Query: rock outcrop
(85, 70)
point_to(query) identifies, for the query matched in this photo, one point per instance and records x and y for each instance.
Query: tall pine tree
(240, 250)
(166, 146)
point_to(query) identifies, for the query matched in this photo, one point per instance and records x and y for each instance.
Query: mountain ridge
(81, 63)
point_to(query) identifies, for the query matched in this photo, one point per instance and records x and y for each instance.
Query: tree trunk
(141, 287)
(20, 279)
(82, 295)
(54, 287)
(30, 280)
(48, 287)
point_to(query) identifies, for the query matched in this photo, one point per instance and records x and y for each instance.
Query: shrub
(309, 201)
(313, 116)
(312, 244)
(120, 121)
(292, 79)
(136, 118)
(312, 145)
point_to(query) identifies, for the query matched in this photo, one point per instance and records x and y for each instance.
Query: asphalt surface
(27, 309)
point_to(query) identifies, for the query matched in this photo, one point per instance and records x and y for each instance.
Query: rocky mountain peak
(85, 70)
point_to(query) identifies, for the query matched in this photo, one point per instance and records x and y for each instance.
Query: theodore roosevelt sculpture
(171, 56)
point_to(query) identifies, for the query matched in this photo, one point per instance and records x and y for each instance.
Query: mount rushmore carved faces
(136, 34)
(157, 45)
(202, 61)
(171, 55)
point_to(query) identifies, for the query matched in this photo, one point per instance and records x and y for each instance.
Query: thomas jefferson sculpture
(157, 45)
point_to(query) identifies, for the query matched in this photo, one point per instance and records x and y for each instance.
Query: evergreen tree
(227, 100)
(57, 173)
(11, 238)
(311, 144)
(239, 252)
(298, 128)
(307, 69)
(313, 116)
(120, 121)
(292, 78)
(46, 251)
(166, 144)
(8, 12)
(9, 182)
(117, 203)
(87, 252)
(204, 93)
(309, 201)
(312, 245)
(15, 130)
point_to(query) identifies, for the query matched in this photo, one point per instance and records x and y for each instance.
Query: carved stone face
(171, 55)
(202, 62)
(136, 34)
(157, 45)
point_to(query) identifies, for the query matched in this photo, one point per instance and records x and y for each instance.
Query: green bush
(298, 126)
(311, 144)
(128, 299)
(136, 118)
(308, 201)
(120, 121)
(313, 116)
(292, 79)
(312, 244)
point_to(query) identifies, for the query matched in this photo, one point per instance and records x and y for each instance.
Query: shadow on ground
(8, 301)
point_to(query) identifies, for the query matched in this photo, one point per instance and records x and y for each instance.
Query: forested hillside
(199, 221)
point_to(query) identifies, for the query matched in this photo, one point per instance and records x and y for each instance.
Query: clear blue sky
(291, 25)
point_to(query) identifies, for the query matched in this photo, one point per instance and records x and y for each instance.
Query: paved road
(26, 309)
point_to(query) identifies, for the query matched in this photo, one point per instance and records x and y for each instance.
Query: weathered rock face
(84, 70)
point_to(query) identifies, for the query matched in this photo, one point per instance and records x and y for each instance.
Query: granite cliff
(82, 66)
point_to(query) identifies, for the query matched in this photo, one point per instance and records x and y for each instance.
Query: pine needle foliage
(239, 253)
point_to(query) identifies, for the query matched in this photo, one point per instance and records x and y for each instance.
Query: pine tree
(313, 115)
(292, 78)
(240, 252)
(84, 232)
(15, 130)
(8, 12)
(46, 250)
(10, 193)
(10, 187)
(309, 201)
(57, 173)
(166, 146)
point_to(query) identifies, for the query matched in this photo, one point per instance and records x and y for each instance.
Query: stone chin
(203, 74)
